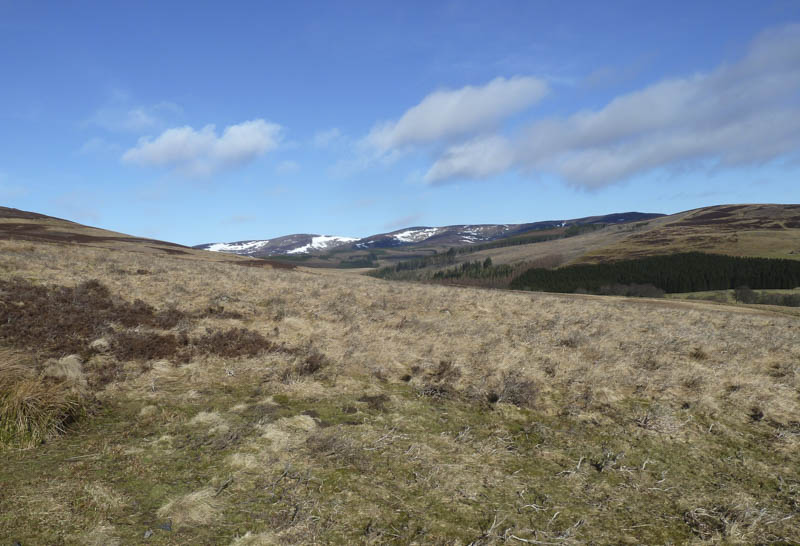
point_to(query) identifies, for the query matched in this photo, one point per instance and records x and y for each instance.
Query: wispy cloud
(743, 113)
(479, 158)
(202, 152)
(452, 113)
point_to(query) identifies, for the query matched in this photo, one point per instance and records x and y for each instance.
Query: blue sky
(197, 122)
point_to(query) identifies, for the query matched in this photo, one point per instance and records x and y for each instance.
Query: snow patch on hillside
(321, 242)
(242, 246)
(415, 235)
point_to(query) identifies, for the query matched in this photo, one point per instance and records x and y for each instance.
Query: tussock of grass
(32, 408)
(196, 508)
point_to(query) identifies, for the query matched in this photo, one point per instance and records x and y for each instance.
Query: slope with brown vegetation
(767, 231)
(376, 412)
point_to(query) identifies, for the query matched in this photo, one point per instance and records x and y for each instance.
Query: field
(255, 405)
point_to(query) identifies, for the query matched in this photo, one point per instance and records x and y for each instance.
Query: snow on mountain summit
(416, 235)
(240, 247)
(322, 242)
(300, 243)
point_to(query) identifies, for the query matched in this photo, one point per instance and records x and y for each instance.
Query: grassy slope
(614, 420)
(767, 231)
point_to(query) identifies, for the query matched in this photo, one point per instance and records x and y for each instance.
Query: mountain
(300, 243)
(411, 237)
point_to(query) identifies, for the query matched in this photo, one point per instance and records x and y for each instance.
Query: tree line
(684, 272)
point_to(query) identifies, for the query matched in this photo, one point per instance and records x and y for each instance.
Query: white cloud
(738, 114)
(446, 113)
(478, 158)
(201, 153)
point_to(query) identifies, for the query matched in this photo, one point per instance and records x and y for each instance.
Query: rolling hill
(179, 398)
(756, 230)
(409, 239)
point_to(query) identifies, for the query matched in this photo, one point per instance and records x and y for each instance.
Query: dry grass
(378, 412)
(196, 508)
(767, 231)
(35, 408)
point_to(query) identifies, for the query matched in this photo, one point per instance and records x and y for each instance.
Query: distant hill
(20, 225)
(760, 230)
(299, 243)
(410, 238)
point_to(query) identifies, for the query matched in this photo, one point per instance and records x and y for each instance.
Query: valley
(277, 404)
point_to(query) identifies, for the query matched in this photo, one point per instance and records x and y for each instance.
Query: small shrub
(698, 354)
(149, 346)
(571, 341)
(234, 343)
(375, 402)
(312, 363)
(517, 389)
(744, 294)
(218, 311)
(446, 371)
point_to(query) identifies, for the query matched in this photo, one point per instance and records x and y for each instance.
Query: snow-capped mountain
(322, 242)
(418, 236)
(301, 243)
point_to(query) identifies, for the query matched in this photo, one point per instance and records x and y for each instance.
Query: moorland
(155, 393)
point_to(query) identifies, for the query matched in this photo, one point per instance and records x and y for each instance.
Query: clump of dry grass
(35, 408)
(197, 508)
